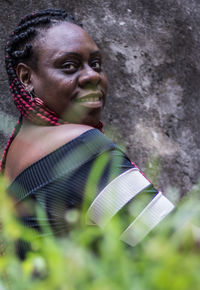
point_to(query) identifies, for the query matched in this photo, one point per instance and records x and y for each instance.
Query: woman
(57, 153)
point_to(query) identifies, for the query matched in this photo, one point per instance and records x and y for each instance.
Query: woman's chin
(86, 116)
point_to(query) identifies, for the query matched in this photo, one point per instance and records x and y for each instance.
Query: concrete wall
(151, 56)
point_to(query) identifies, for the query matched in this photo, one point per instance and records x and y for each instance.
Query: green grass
(95, 259)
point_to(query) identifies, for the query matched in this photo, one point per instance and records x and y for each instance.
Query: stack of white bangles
(117, 194)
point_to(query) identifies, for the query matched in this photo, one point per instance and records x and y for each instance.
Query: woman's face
(69, 77)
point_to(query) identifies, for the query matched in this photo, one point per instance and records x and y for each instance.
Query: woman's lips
(90, 99)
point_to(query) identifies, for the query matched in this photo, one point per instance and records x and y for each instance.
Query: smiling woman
(57, 148)
(68, 75)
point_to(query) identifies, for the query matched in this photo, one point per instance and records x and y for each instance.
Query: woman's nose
(89, 75)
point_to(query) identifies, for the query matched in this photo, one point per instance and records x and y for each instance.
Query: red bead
(39, 102)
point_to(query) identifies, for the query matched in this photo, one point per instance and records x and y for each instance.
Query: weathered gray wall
(151, 55)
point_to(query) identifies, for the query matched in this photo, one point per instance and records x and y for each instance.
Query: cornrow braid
(19, 48)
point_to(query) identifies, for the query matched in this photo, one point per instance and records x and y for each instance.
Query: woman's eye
(69, 67)
(96, 65)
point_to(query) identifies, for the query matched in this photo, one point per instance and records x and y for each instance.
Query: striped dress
(92, 171)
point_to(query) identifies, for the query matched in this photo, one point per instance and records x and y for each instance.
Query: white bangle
(150, 217)
(115, 195)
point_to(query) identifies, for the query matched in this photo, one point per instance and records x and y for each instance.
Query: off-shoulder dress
(93, 171)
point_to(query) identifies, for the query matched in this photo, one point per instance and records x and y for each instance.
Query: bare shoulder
(63, 134)
(30, 145)
(45, 140)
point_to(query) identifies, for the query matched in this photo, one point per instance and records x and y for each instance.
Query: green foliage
(95, 259)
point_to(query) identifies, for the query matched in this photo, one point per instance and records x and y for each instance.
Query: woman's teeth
(90, 99)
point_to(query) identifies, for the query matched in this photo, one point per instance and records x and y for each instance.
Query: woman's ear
(24, 72)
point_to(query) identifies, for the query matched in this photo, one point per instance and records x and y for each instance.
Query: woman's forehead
(65, 36)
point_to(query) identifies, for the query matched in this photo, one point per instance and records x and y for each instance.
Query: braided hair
(19, 48)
